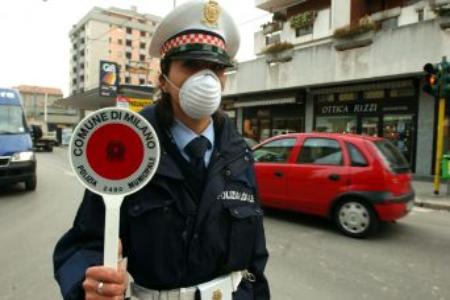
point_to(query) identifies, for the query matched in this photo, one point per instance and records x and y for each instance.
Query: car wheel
(355, 218)
(30, 184)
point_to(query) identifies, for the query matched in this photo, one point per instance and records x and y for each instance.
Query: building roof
(31, 89)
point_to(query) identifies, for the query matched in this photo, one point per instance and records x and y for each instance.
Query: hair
(164, 109)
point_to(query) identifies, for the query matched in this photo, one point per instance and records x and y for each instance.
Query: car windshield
(393, 157)
(11, 120)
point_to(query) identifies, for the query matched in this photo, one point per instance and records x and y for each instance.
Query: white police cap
(197, 29)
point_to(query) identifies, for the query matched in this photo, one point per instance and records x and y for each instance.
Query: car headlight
(22, 156)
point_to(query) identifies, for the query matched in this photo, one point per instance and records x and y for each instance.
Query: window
(129, 30)
(420, 15)
(320, 151)
(325, 98)
(401, 92)
(142, 57)
(303, 31)
(142, 45)
(375, 94)
(127, 79)
(129, 43)
(356, 157)
(277, 151)
(143, 33)
(119, 41)
(141, 81)
(343, 97)
(128, 55)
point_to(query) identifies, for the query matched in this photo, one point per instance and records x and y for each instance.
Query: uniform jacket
(169, 239)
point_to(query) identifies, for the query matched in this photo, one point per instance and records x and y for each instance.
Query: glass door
(399, 129)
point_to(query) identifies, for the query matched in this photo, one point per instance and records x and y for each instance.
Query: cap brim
(203, 55)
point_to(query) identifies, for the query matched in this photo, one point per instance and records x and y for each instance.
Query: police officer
(195, 231)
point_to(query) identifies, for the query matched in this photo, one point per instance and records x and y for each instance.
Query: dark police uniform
(172, 236)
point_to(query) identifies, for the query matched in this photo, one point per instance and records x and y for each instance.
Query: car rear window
(393, 157)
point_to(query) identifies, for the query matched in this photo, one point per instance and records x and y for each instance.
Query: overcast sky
(35, 45)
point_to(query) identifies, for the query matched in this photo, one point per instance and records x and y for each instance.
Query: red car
(355, 180)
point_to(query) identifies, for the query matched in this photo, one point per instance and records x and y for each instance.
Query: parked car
(357, 181)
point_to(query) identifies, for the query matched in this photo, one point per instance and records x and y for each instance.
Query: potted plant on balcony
(303, 20)
(279, 52)
(354, 36)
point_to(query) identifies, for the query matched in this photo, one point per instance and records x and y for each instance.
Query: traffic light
(431, 85)
(445, 79)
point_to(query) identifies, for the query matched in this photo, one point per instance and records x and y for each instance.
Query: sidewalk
(426, 198)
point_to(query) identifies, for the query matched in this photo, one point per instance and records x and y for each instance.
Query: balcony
(320, 63)
(319, 29)
(274, 5)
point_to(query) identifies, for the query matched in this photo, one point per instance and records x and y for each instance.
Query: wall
(96, 50)
(340, 10)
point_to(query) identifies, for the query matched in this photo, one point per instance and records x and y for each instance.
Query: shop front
(266, 118)
(390, 113)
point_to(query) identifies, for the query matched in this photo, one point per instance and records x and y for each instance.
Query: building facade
(117, 35)
(351, 66)
(40, 108)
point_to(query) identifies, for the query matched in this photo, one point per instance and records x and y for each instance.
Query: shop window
(344, 97)
(357, 159)
(375, 94)
(320, 151)
(325, 98)
(401, 92)
(276, 151)
(339, 124)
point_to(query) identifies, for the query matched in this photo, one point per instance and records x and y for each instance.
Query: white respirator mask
(200, 94)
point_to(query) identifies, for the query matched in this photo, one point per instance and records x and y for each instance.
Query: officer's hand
(104, 283)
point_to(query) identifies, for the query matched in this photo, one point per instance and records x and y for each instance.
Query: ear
(162, 83)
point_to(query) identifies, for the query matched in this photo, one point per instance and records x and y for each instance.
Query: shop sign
(348, 108)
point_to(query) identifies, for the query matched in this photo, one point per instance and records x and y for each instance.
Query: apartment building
(40, 107)
(351, 66)
(113, 34)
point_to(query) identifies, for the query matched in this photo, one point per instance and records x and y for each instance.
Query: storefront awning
(264, 102)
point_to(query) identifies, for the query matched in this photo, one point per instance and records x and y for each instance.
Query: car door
(272, 166)
(318, 175)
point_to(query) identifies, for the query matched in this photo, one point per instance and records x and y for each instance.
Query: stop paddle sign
(114, 152)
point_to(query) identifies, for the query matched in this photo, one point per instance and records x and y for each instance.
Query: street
(309, 259)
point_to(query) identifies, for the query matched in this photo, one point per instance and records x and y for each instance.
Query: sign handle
(112, 220)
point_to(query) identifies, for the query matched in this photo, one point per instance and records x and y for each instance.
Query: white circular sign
(114, 151)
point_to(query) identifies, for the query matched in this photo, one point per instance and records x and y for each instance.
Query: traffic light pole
(439, 146)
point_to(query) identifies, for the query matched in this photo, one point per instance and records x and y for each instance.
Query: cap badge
(217, 295)
(211, 13)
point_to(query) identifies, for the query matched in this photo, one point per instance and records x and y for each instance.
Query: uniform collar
(183, 135)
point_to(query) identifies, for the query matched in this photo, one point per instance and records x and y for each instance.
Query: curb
(433, 205)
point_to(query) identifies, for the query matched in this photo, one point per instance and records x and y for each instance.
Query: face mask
(200, 94)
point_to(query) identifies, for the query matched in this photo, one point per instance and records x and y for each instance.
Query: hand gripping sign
(114, 152)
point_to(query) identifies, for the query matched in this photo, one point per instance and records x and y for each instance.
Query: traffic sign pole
(114, 152)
